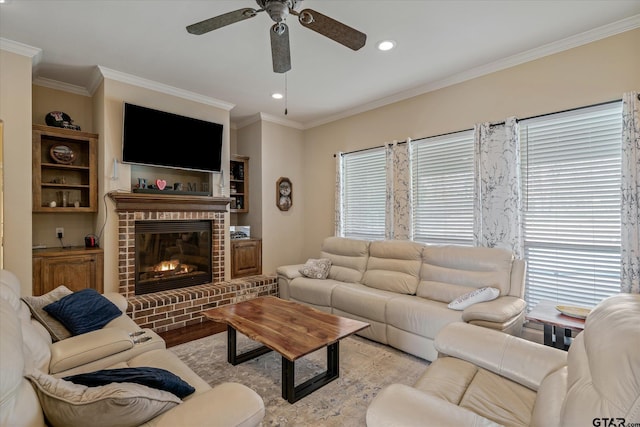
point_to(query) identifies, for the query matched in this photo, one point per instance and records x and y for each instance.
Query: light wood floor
(190, 333)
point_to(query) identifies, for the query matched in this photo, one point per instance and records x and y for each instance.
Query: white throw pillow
(316, 268)
(66, 404)
(473, 297)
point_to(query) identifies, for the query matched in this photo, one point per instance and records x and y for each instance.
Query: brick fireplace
(176, 308)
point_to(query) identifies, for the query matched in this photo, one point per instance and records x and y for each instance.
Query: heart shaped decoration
(161, 184)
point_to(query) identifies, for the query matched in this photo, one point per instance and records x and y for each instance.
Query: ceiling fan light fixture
(386, 45)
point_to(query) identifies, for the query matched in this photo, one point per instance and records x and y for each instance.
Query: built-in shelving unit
(239, 184)
(70, 179)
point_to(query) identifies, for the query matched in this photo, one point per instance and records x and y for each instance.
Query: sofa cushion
(316, 268)
(362, 301)
(348, 258)
(467, 266)
(36, 305)
(473, 297)
(158, 378)
(312, 291)
(83, 311)
(394, 266)
(420, 316)
(478, 390)
(443, 292)
(122, 404)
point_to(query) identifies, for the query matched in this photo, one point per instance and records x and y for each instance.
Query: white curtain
(630, 215)
(498, 197)
(339, 196)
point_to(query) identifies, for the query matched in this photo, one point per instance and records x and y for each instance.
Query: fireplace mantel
(167, 202)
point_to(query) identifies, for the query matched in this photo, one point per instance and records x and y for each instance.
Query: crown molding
(58, 85)
(571, 42)
(160, 87)
(35, 53)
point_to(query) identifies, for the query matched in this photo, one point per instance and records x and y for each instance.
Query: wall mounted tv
(157, 138)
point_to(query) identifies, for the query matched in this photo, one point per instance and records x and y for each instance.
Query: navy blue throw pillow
(83, 311)
(151, 377)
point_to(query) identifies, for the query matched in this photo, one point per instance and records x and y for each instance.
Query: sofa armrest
(286, 274)
(499, 310)
(86, 348)
(401, 405)
(119, 300)
(232, 404)
(289, 271)
(522, 361)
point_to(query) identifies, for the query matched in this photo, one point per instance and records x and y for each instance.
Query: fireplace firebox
(171, 255)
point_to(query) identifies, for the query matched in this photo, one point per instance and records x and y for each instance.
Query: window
(364, 194)
(442, 178)
(571, 188)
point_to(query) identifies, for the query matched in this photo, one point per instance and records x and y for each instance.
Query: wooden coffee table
(291, 329)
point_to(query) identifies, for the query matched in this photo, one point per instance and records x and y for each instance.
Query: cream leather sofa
(26, 345)
(402, 289)
(485, 378)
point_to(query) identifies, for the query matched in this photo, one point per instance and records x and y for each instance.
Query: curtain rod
(493, 124)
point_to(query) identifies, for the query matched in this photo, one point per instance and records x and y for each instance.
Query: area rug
(365, 368)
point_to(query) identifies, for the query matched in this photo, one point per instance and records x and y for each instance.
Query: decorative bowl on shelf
(61, 153)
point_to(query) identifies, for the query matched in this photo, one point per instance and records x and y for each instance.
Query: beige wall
(593, 73)
(282, 231)
(15, 112)
(114, 93)
(589, 74)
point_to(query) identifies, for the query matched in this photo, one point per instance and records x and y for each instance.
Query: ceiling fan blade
(335, 30)
(280, 53)
(221, 21)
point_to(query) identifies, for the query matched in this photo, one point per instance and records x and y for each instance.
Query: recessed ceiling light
(385, 45)
(277, 96)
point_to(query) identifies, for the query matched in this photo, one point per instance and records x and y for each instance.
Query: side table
(557, 326)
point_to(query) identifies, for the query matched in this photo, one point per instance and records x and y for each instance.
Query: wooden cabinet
(246, 257)
(239, 184)
(65, 166)
(76, 268)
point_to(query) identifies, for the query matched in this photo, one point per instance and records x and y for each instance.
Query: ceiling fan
(278, 10)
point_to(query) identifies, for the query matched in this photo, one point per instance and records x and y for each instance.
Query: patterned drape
(338, 196)
(498, 198)
(630, 215)
(399, 212)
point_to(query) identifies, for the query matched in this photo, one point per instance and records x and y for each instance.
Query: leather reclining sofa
(403, 289)
(27, 348)
(486, 378)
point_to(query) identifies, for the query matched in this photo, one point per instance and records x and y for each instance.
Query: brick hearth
(172, 309)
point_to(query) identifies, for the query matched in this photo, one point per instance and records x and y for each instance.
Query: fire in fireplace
(172, 254)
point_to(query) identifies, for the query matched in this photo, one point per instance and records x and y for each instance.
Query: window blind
(571, 187)
(442, 179)
(364, 194)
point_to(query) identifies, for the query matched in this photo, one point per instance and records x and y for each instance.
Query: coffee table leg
(293, 393)
(233, 357)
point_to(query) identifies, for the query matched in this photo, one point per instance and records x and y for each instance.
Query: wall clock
(284, 194)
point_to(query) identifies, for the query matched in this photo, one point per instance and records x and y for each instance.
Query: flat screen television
(157, 138)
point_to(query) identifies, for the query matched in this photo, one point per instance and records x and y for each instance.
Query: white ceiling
(439, 42)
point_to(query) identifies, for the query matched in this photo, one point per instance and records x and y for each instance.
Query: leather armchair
(484, 377)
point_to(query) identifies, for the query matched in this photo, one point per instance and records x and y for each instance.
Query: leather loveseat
(403, 289)
(27, 351)
(485, 378)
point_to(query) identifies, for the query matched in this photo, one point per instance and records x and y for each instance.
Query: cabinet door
(246, 258)
(74, 272)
